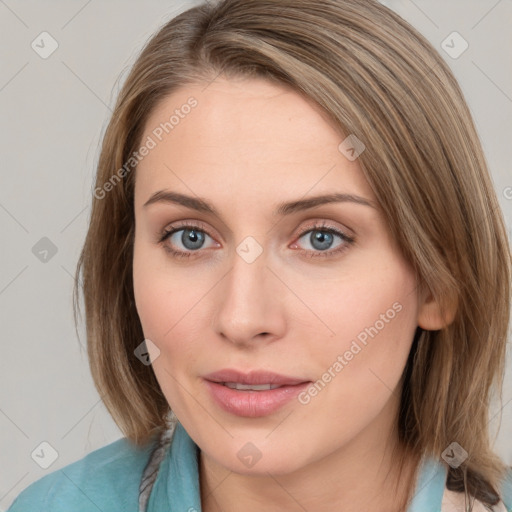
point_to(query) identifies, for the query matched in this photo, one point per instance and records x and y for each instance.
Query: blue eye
(321, 239)
(193, 237)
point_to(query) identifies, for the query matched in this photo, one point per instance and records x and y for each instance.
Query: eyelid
(324, 225)
(312, 224)
(179, 225)
(346, 240)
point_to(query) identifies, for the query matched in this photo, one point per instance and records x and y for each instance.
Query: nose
(250, 303)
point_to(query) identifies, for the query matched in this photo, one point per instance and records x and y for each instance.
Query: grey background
(54, 112)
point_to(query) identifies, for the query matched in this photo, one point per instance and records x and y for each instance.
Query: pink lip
(253, 403)
(252, 377)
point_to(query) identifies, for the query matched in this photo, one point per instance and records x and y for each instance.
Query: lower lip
(252, 404)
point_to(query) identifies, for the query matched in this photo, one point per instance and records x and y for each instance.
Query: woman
(296, 275)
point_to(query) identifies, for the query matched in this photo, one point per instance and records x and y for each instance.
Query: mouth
(254, 378)
(250, 387)
(253, 394)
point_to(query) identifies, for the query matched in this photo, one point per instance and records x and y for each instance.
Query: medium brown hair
(375, 77)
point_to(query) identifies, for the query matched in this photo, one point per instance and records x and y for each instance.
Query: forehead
(247, 135)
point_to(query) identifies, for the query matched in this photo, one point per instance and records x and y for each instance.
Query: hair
(379, 79)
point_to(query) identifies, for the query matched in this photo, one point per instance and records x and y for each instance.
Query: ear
(432, 315)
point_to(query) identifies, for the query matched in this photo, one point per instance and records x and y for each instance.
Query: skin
(247, 146)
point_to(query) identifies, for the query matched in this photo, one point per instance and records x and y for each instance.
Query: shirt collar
(177, 489)
(430, 486)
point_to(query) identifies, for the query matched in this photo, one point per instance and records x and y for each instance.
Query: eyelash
(349, 240)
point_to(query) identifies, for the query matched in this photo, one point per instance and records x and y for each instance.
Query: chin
(260, 458)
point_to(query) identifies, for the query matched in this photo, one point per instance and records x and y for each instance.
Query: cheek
(364, 305)
(372, 319)
(168, 303)
(153, 286)
(165, 321)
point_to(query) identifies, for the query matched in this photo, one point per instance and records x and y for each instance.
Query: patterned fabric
(455, 502)
(151, 470)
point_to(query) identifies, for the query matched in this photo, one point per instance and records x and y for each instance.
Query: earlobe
(433, 316)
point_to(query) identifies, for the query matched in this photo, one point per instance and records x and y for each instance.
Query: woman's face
(269, 280)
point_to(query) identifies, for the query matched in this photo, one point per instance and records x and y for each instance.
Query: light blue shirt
(107, 480)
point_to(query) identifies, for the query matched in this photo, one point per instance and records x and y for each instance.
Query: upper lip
(253, 377)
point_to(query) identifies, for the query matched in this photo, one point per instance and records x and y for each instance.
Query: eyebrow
(285, 208)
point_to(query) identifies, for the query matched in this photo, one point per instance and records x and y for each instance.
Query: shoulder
(105, 479)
